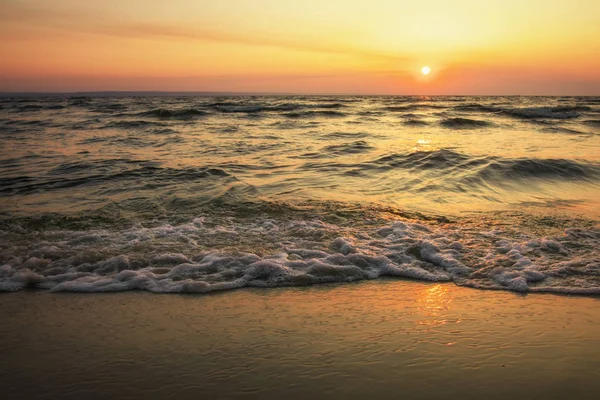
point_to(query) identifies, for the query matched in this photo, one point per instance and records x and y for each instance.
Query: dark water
(197, 194)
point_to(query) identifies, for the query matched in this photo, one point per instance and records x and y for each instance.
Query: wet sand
(383, 339)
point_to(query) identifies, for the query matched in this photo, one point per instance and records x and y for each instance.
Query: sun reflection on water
(424, 144)
(433, 305)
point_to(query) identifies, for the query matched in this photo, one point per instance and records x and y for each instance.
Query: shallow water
(380, 339)
(196, 194)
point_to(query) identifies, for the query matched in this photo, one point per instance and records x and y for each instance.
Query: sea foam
(300, 252)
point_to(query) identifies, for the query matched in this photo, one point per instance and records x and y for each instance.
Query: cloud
(21, 16)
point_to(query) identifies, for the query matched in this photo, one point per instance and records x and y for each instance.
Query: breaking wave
(305, 252)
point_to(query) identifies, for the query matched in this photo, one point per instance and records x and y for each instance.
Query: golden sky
(309, 46)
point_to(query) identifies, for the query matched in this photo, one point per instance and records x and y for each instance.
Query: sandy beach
(384, 339)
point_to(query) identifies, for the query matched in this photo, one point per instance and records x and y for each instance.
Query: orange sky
(309, 46)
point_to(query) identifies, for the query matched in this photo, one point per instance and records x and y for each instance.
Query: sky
(491, 47)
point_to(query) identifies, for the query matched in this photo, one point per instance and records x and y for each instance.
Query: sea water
(196, 194)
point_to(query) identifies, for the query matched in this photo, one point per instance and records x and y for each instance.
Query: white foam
(173, 259)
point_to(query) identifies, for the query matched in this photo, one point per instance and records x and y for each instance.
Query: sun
(425, 70)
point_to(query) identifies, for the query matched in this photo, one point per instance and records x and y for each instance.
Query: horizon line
(159, 93)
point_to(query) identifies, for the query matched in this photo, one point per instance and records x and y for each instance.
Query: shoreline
(593, 293)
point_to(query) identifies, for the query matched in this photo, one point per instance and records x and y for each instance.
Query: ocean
(201, 194)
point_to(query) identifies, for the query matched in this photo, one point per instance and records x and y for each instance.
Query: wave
(164, 131)
(295, 252)
(110, 108)
(563, 112)
(314, 114)
(235, 107)
(238, 108)
(30, 108)
(588, 100)
(557, 112)
(328, 105)
(55, 107)
(415, 122)
(464, 123)
(347, 135)
(473, 169)
(33, 106)
(359, 146)
(30, 122)
(527, 168)
(592, 122)
(562, 129)
(476, 107)
(128, 124)
(439, 159)
(164, 113)
(414, 107)
(227, 107)
(115, 172)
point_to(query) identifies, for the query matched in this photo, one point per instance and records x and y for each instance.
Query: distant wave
(464, 123)
(414, 107)
(110, 108)
(314, 114)
(415, 122)
(164, 131)
(329, 105)
(566, 112)
(237, 108)
(475, 107)
(558, 112)
(227, 107)
(29, 122)
(359, 146)
(562, 129)
(175, 114)
(132, 124)
(347, 135)
(30, 108)
(592, 122)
